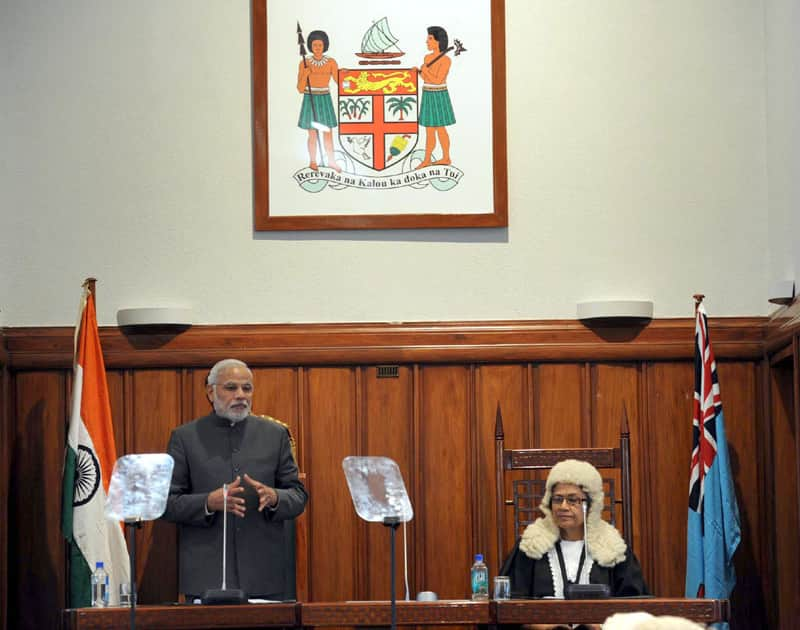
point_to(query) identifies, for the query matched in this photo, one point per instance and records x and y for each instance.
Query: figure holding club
(436, 110)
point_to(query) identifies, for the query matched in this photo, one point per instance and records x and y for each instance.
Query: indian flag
(90, 458)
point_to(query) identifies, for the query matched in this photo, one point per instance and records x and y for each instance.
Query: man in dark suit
(253, 456)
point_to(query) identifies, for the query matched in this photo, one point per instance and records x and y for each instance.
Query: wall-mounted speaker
(161, 316)
(616, 310)
(781, 292)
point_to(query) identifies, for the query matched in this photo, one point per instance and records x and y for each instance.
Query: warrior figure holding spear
(317, 114)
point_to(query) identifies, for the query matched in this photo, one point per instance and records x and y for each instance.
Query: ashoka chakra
(87, 476)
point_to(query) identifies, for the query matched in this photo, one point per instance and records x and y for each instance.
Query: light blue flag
(713, 530)
(714, 535)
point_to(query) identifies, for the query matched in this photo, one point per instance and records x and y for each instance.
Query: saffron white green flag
(90, 458)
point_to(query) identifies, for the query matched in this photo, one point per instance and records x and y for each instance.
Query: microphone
(585, 531)
(586, 591)
(224, 595)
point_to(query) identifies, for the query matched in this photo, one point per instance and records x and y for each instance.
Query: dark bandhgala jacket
(208, 452)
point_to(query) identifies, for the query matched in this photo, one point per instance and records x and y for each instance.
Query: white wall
(637, 163)
(783, 138)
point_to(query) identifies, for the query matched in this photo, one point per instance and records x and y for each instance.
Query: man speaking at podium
(253, 456)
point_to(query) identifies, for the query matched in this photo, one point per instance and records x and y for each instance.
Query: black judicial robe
(533, 578)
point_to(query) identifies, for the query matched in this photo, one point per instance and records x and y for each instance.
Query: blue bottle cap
(478, 557)
(98, 565)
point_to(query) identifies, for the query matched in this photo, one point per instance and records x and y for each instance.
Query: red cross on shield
(378, 112)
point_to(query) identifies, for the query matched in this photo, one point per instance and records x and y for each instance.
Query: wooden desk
(598, 610)
(379, 613)
(184, 616)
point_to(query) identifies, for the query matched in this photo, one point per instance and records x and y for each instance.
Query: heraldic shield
(378, 115)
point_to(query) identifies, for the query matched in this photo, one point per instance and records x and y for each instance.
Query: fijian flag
(713, 531)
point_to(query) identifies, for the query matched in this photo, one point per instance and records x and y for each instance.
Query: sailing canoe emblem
(378, 114)
(379, 46)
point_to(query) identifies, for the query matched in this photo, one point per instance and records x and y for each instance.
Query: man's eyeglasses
(573, 500)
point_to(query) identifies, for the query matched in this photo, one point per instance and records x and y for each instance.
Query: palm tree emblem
(401, 104)
(354, 108)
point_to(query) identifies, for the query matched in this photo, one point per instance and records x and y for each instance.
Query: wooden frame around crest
(267, 219)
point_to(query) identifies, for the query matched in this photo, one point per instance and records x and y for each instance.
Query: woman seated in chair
(572, 544)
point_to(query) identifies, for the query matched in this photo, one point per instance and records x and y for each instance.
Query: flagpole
(698, 300)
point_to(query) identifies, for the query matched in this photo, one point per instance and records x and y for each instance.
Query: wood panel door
(784, 493)
(36, 544)
(448, 490)
(5, 470)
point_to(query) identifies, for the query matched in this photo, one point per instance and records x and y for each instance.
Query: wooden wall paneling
(188, 392)
(449, 487)
(388, 422)
(275, 395)
(670, 389)
(360, 559)
(359, 343)
(560, 405)
(303, 531)
(766, 566)
(563, 400)
(116, 397)
(796, 472)
(37, 567)
(195, 383)
(587, 395)
(784, 497)
(482, 486)
(796, 410)
(506, 385)
(782, 327)
(128, 411)
(739, 388)
(644, 543)
(5, 466)
(417, 484)
(156, 410)
(612, 386)
(329, 436)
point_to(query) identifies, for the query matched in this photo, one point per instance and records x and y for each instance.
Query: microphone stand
(132, 526)
(392, 522)
(224, 595)
(225, 535)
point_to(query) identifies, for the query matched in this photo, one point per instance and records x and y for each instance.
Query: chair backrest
(527, 493)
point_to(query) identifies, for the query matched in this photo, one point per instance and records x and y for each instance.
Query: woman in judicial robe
(572, 543)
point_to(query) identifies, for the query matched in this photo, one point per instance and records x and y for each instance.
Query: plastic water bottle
(480, 578)
(99, 586)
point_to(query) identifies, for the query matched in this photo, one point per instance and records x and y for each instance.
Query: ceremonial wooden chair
(527, 493)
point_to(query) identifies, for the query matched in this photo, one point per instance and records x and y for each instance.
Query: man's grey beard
(230, 414)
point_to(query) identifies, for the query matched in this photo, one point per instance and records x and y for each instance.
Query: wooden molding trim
(434, 342)
(781, 327)
(4, 360)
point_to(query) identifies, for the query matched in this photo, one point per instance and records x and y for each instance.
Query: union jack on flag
(707, 404)
(713, 530)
